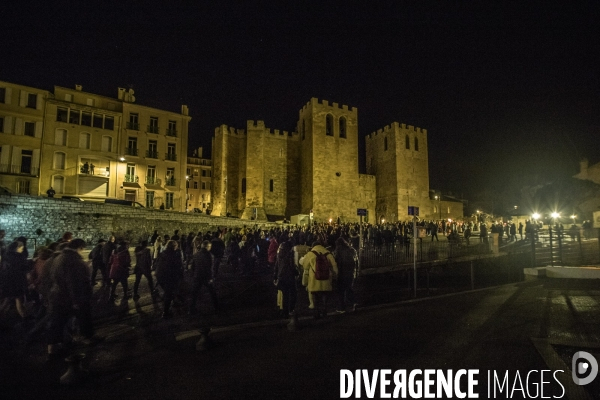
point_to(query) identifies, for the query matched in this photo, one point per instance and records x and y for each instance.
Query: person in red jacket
(120, 261)
(272, 252)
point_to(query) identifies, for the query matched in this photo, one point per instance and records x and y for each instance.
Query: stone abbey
(259, 173)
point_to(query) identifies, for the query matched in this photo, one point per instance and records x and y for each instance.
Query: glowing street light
(555, 215)
(536, 216)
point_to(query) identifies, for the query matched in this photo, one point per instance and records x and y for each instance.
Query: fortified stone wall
(22, 215)
(367, 195)
(402, 170)
(334, 161)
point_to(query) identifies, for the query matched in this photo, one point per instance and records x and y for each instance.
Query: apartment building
(21, 128)
(153, 151)
(80, 154)
(199, 182)
(91, 146)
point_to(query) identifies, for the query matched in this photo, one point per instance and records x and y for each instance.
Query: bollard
(293, 325)
(74, 372)
(205, 342)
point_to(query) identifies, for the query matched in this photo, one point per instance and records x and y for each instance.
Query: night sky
(505, 90)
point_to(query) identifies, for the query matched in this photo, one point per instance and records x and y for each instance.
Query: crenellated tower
(329, 160)
(398, 156)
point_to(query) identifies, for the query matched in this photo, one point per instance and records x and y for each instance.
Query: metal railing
(171, 157)
(152, 129)
(398, 253)
(133, 125)
(172, 132)
(131, 151)
(571, 246)
(151, 154)
(131, 178)
(151, 180)
(19, 169)
(170, 181)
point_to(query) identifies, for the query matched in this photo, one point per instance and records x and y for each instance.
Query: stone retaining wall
(47, 219)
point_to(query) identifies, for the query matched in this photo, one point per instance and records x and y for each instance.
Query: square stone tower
(329, 181)
(397, 156)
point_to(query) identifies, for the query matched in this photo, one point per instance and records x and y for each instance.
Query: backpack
(322, 266)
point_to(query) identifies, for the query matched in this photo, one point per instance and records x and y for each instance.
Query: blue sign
(412, 210)
(361, 211)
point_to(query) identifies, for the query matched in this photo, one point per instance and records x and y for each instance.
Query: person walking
(284, 277)
(143, 267)
(319, 285)
(120, 262)
(70, 296)
(204, 275)
(217, 249)
(97, 258)
(169, 273)
(14, 275)
(346, 260)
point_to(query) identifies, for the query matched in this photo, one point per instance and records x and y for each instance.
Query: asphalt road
(517, 327)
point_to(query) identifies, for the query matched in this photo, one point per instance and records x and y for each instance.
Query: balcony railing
(170, 181)
(131, 178)
(19, 169)
(133, 125)
(151, 154)
(152, 129)
(131, 151)
(172, 132)
(171, 157)
(151, 180)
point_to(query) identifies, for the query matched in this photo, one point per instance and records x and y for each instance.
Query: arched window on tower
(329, 125)
(416, 144)
(407, 140)
(280, 153)
(343, 127)
(385, 146)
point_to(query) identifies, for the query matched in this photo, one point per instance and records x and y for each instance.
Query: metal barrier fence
(566, 247)
(403, 253)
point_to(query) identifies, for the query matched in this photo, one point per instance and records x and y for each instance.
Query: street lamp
(439, 198)
(187, 186)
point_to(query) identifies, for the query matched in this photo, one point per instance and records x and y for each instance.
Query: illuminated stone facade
(260, 173)
(92, 147)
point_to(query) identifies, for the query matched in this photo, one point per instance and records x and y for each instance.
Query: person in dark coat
(107, 251)
(217, 249)
(204, 275)
(153, 238)
(233, 251)
(284, 277)
(169, 273)
(97, 257)
(346, 259)
(120, 262)
(70, 295)
(143, 267)
(14, 276)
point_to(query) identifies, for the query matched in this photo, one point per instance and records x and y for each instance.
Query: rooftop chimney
(78, 87)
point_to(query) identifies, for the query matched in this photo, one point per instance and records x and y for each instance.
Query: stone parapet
(22, 215)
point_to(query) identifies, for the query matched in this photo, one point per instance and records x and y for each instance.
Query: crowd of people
(57, 281)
